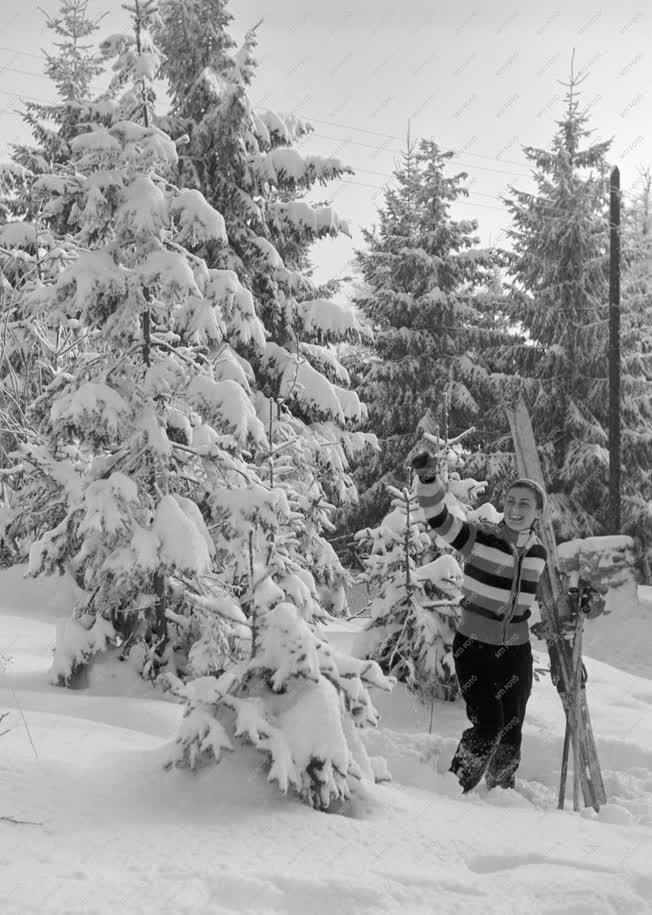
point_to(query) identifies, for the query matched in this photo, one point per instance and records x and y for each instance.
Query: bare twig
(2, 718)
(280, 403)
(21, 822)
(452, 441)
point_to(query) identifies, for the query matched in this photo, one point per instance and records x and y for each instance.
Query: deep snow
(111, 832)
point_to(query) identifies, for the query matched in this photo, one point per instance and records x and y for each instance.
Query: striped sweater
(500, 579)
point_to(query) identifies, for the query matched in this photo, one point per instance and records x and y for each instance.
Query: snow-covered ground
(108, 831)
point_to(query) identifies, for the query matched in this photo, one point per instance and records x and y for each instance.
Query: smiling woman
(491, 650)
(524, 502)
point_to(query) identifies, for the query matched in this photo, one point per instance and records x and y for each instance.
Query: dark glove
(545, 631)
(540, 630)
(425, 466)
(592, 603)
(587, 600)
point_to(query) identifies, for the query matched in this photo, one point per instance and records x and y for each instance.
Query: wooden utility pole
(614, 355)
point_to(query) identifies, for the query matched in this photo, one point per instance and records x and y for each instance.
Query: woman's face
(521, 510)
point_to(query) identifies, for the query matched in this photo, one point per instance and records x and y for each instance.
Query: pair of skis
(558, 616)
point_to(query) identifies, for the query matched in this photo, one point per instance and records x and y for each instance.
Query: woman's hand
(425, 465)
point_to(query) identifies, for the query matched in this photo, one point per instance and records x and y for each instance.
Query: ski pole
(564, 763)
(575, 698)
(572, 704)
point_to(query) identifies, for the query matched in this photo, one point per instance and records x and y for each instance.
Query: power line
(470, 165)
(23, 72)
(464, 202)
(544, 211)
(389, 136)
(483, 168)
(383, 187)
(21, 95)
(390, 175)
(458, 153)
(24, 53)
(364, 130)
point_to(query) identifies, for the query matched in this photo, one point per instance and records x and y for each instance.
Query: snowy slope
(111, 832)
(624, 637)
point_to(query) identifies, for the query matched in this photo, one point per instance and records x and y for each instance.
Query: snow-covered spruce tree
(636, 361)
(72, 69)
(406, 635)
(14, 186)
(559, 300)
(28, 255)
(247, 165)
(417, 583)
(244, 161)
(27, 248)
(126, 431)
(297, 700)
(424, 275)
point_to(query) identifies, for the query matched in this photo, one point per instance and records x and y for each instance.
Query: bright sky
(479, 79)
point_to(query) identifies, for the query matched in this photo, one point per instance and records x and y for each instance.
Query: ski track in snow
(112, 832)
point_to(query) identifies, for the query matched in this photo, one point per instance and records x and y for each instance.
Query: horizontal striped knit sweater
(500, 578)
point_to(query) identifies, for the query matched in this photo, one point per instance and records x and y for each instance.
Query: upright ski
(565, 664)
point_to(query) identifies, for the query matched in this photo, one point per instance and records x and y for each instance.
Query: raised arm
(430, 492)
(458, 533)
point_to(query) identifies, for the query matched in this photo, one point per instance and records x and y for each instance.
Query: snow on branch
(92, 275)
(199, 321)
(243, 325)
(227, 405)
(169, 272)
(329, 320)
(24, 235)
(302, 382)
(144, 209)
(286, 165)
(270, 123)
(76, 641)
(315, 221)
(181, 545)
(199, 221)
(325, 359)
(90, 401)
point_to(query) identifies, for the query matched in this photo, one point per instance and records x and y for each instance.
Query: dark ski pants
(495, 681)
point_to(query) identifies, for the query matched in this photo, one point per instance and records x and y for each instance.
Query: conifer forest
(210, 473)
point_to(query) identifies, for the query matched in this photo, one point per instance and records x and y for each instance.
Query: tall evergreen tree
(164, 482)
(636, 354)
(72, 69)
(28, 252)
(429, 301)
(108, 485)
(246, 164)
(558, 300)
